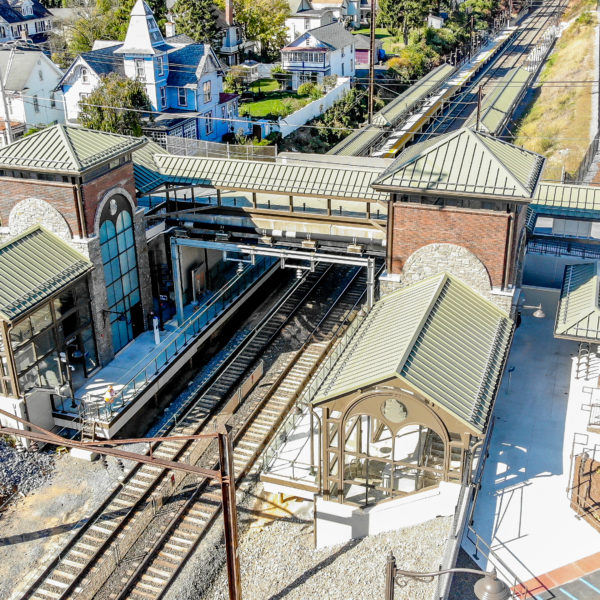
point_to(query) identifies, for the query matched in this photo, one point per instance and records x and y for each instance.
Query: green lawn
(264, 85)
(270, 104)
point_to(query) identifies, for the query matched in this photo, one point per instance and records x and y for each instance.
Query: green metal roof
(568, 200)
(231, 174)
(438, 335)
(397, 109)
(498, 105)
(66, 149)
(465, 162)
(147, 177)
(358, 142)
(33, 266)
(578, 315)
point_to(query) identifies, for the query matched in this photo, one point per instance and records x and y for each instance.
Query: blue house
(183, 80)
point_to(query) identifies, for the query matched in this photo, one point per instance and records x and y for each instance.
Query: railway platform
(143, 368)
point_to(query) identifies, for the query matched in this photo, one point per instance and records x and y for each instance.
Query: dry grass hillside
(557, 123)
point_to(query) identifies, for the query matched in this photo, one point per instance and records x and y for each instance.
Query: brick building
(458, 204)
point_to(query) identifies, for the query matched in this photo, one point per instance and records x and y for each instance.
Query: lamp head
(491, 588)
(539, 312)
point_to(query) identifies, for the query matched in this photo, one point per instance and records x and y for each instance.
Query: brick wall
(60, 195)
(484, 233)
(93, 191)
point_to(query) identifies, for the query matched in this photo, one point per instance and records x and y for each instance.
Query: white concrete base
(84, 454)
(338, 523)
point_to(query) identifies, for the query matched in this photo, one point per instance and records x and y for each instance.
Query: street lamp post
(489, 587)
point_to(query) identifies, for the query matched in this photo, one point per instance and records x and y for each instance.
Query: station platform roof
(34, 266)
(498, 105)
(438, 335)
(467, 163)
(293, 179)
(358, 142)
(578, 314)
(147, 176)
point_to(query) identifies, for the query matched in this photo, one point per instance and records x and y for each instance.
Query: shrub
(306, 89)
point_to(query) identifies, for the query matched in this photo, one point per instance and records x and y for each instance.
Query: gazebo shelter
(578, 314)
(44, 313)
(411, 393)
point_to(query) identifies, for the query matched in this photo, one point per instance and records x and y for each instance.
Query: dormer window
(182, 96)
(27, 8)
(85, 75)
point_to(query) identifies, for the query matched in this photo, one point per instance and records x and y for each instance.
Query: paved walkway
(523, 511)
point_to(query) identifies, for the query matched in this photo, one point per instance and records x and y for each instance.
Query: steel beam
(177, 280)
(370, 283)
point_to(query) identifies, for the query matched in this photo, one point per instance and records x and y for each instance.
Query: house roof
(334, 35)
(143, 35)
(187, 64)
(147, 176)
(439, 336)
(16, 65)
(10, 11)
(578, 314)
(465, 162)
(103, 60)
(251, 175)
(497, 106)
(66, 149)
(363, 42)
(33, 266)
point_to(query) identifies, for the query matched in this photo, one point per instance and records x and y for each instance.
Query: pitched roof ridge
(62, 130)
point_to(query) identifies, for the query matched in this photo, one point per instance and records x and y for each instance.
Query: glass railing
(180, 339)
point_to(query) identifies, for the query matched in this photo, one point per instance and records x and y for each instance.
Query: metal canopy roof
(498, 105)
(33, 266)
(578, 315)
(66, 149)
(358, 142)
(567, 200)
(465, 162)
(147, 177)
(392, 113)
(231, 174)
(439, 336)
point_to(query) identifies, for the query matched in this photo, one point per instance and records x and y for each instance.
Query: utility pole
(9, 135)
(372, 61)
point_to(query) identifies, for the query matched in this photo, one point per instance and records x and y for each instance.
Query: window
(36, 104)
(52, 100)
(163, 96)
(2, 31)
(208, 122)
(140, 72)
(206, 90)
(342, 69)
(182, 96)
(160, 65)
(189, 130)
(83, 96)
(85, 75)
(41, 75)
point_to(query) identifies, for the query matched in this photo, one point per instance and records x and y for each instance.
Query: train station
(400, 333)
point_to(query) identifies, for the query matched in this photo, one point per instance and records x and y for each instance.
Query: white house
(345, 11)
(304, 17)
(30, 79)
(183, 80)
(24, 18)
(327, 50)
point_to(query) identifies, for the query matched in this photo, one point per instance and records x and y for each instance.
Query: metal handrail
(189, 329)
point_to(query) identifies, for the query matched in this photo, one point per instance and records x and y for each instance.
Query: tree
(116, 105)
(198, 19)
(400, 16)
(264, 22)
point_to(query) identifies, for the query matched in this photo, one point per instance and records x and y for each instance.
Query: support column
(177, 280)
(370, 283)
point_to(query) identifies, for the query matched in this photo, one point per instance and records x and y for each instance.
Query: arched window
(117, 246)
(85, 75)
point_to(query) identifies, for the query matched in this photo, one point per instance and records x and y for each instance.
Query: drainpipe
(507, 269)
(80, 214)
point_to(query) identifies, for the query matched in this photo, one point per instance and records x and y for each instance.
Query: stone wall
(34, 211)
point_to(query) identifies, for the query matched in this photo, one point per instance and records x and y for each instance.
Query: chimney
(229, 12)
(170, 26)
(24, 34)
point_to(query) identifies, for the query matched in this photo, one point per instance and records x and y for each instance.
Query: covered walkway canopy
(578, 314)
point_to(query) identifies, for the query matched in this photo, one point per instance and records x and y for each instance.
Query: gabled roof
(299, 6)
(188, 64)
(10, 11)
(17, 64)
(147, 176)
(33, 266)
(578, 314)
(438, 335)
(232, 174)
(66, 149)
(334, 35)
(465, 162)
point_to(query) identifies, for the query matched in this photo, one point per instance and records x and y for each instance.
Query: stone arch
(34, 211)
(115, 191)
(456, 260)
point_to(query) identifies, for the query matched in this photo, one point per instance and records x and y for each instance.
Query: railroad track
(463, 105)
(95, 551)
(155, 572)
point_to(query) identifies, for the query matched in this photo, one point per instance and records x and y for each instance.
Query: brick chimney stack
(229, 12)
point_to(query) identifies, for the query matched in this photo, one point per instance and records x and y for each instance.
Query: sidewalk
(523, 510)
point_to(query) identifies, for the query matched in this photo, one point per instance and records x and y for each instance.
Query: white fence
(294, 121)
